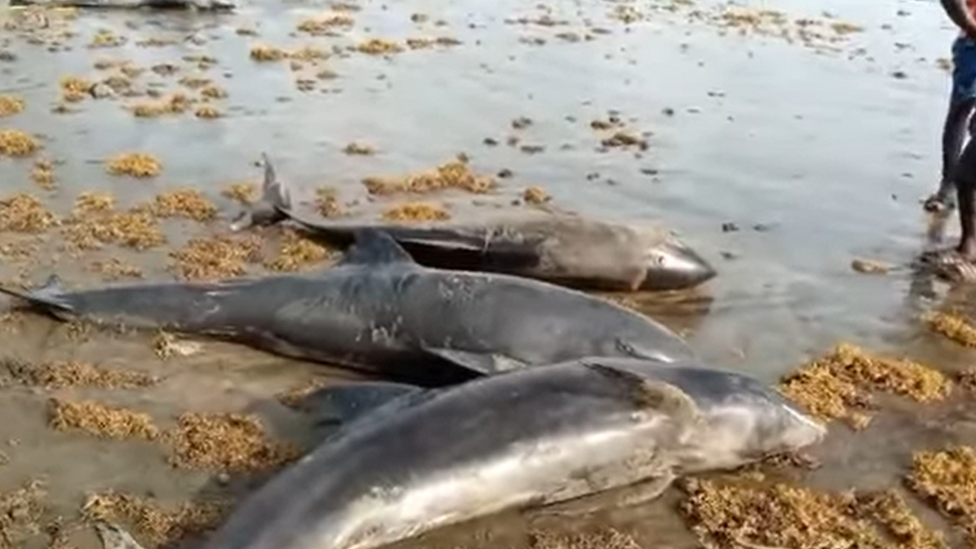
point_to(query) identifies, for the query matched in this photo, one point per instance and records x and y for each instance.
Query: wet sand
(811, 152)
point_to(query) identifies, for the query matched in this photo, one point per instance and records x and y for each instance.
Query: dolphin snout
(672, 265)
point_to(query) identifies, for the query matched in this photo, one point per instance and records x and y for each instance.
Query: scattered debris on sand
(226, 442)
(451, 175)
(414, 212)
(245, 193)
(101, 420)
(948, 478)
(167, 345)
(624, 139)
(115, 269)
(73, 373)
(185, 203)
(295, 252)
(838, 385)
(10, 105)
(744, 511)
(207, 112)
(94, 222)
(160, 525)
(20, 514)
(214, 258)
(535, 195)
(25, 213)
(870, 266)
(379, 46)
(359, 149)
(135, 165)
(17, 143)
(42, 174)
(953, 326)
(263, 53)
(609, 539)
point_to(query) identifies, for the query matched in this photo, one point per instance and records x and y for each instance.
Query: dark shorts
(963, 69)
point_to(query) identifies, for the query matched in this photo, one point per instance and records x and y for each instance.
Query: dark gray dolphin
(378, 311)
(563, 249)
(524, 439)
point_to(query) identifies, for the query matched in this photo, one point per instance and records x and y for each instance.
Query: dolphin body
(426, 459)
(379, 312)
(563, 249)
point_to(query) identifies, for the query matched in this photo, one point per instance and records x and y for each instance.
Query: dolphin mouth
(673, 265)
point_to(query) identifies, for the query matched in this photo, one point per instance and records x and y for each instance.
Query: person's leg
(954, 133)
(964, 177)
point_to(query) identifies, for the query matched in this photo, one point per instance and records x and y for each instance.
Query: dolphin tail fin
(47, 297)
(271, 207)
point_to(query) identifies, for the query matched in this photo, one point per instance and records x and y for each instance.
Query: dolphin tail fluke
(47, 297)
(271, 207)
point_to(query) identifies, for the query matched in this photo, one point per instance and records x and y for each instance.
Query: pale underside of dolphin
(417, 460)
(569, 250)
(381, 313)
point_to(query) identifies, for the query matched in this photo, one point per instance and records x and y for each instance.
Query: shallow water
(819, 157)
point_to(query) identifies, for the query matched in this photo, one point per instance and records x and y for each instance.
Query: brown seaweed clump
(20, 514)
(24, 213)
(176, 103)
(215, 258)
(836, 385)
(320, 26)
(135, 165)
(535, 195)
(186, 203)
(262, 53)
(451, 175)
(416, 212)
(624, 139)
(10, 105)
(226, 442)
(94, 222)
(948, 478)
(378, 46)
(207, 112)
(293, 398)
(115, 269)
(74, 88)
(327, 202)
(953, 326)
(245, 193)
(295, 252)
(73, 373)
(101, 420)
(17, 143)
(42, 174)
(161, 525)
(731, 514)
(607, 539)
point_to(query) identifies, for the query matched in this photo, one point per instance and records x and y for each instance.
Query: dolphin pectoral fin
(481, 363)
(615, 498)
(647, 393)
(375, 247)
(45, 298)
(114, 537)
(348, 401)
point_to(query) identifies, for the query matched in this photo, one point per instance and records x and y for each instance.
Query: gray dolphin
(380, 312)
(559, 248)
(431, 458)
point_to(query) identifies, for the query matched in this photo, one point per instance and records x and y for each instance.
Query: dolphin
(430, 458)
(560, 248)
(381, 313)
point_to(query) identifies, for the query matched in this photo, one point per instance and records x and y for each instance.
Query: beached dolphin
(431, 458)
(560, 248)
(379, 312)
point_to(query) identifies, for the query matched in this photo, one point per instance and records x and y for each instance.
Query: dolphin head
(671, 265)
(743, 421)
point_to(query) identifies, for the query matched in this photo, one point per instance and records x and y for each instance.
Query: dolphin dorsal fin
(375, 247)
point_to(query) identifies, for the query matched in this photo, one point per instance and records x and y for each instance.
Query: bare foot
(951, 264)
